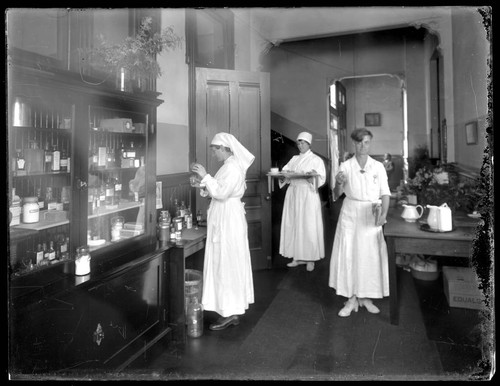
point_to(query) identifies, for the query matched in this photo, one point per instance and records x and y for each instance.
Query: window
(214, 38)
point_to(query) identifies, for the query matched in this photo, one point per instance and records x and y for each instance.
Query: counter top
(29, 288)
(464, 227)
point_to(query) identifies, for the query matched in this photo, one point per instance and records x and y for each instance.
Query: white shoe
(350, 305)
(310, 266)
(295, 263)
(368, 304)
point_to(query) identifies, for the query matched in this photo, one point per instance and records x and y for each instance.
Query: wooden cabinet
(104, 197)
(104, 323)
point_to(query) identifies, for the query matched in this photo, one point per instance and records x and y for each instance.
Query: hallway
(292, 331)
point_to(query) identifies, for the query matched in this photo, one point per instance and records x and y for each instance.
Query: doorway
(366, 96)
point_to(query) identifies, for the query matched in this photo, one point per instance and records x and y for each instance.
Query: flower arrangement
(136, 54)
(431, 187)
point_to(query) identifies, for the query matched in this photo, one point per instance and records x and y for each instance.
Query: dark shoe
(223, 323)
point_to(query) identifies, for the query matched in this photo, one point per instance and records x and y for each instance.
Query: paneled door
(237, 102)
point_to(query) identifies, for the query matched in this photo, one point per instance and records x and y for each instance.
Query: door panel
(237, 102)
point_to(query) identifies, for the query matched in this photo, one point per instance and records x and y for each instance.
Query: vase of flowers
(134, 59)
(439, 185)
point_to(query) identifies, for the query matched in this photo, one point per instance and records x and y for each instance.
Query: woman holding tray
(301, 236)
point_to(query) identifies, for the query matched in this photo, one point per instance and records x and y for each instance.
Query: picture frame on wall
(373, 119)
(471, 133)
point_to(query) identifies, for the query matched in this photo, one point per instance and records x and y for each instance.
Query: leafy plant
(136, 54)
(429, 191)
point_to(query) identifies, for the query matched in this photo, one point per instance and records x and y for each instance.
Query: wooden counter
(405, 237)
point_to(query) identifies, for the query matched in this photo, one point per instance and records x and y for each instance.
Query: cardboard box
(117, 125)
(461, 288)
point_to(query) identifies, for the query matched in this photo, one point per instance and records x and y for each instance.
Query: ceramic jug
(432, 218)
(411, 213)
(440, 218)
(444, 218)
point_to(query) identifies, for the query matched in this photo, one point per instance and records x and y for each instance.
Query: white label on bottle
(101, 157)
(56, 161)
(52, 206)
(39, 257)
(118, 187)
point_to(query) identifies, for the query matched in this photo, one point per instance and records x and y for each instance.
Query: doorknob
(268, 197)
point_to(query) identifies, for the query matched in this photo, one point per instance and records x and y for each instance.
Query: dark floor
(455, 332)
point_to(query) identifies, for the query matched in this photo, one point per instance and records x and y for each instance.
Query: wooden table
(193, 240)
(405, 237)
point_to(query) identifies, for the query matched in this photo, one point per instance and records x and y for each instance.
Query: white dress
(301, 234)
(227, 271)
(359, 256)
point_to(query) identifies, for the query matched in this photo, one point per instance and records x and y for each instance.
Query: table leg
(393, 283)
(269, 184)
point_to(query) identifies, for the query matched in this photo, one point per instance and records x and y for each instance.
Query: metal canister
(31, 210)
(21, 112)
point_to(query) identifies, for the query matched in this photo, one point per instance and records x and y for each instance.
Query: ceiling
(278, 25)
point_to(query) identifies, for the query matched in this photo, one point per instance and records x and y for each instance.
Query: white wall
(172, 114)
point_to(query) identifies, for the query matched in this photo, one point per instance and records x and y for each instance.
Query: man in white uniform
(301, 235)
(227, 271)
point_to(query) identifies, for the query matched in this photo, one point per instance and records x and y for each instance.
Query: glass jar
(163, 231)
(31, 210)
(116, 227)
(194, 319)
(82, 261)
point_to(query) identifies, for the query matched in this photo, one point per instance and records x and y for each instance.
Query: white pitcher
(432, 218)
(412, 213)
(444, 218)
(439, 218)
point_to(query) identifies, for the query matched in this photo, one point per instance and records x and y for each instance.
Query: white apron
(359, 262)
(227, 271)
(301, 234)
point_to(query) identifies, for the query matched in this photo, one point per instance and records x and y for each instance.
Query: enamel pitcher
(411, 213)
(439, 218)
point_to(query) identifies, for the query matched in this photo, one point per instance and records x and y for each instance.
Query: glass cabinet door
(40, 154)
(116, 176)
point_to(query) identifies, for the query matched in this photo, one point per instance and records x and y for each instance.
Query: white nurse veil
(240, 152)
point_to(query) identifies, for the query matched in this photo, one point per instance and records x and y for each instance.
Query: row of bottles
(28, 113)
(27, 209)
(170, 228)
(54, 157)
(107, 153)
(107, 195)
(48, 252)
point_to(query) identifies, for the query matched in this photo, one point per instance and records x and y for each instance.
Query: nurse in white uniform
(358, 266)
(227, 270)
(301, 235)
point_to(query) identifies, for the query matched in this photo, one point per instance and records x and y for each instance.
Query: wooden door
(237, 102)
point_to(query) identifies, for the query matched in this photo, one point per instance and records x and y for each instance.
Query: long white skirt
(301, 234)
(359, 263)
(227, 270)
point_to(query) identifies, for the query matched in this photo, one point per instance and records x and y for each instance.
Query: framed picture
(471, 133)
(372, 119)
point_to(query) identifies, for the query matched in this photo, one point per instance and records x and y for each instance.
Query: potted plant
(135, 57)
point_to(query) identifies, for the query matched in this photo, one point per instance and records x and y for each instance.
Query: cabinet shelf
(42, 224)
(119, 208)
(44, 129)
(35, 174)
